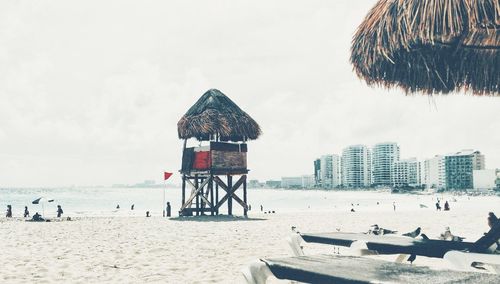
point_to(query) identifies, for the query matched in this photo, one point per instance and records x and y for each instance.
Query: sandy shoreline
(199, 250)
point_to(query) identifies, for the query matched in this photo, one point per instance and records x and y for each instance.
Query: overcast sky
(91, 91)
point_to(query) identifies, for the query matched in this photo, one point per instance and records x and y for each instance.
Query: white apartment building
(384, 155)
(304, 181)
(406, 173)
(435, 173)
(485, 179)
(308, 181)
(356, 166)
(291, 182)
(330, 171)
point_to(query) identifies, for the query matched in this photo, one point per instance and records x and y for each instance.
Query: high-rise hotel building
(460, 167)
(384, 157)
(435, 173)
(406, 173)
(356, 166)
(330, 171)
(317, 173)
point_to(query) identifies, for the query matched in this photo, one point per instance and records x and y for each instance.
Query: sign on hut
(222, 129)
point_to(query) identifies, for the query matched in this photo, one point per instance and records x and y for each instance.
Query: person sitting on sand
(59, 211)
(37, 217)
(26, 212)
(118, 206)
(446, 206)
(9, 211)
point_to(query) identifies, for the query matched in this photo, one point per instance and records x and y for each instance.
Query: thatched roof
(430, 46)
(215, 114)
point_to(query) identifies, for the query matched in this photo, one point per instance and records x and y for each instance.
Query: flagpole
(163, 205)
(166, 175)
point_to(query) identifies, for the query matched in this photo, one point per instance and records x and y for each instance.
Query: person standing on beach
(9, 211)
(26, 212)
(169, 210)
(59, 211)
(438, 206)
(394, 205)
(132, 207)
(261, 208)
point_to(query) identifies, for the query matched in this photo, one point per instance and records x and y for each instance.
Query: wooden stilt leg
(211, 185)
(230, 199)
(183, 190)
(245, 211)
(202, 204)
(196, 184)
(216, 199)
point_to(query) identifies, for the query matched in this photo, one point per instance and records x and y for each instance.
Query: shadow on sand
(219, 218)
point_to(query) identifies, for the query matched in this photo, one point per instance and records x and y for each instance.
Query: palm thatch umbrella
(430, 46)
(215, 115)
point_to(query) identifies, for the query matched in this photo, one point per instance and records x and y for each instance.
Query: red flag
(166, 175)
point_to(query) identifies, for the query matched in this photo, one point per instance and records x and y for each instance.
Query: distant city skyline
(91, 96)
(381, 165)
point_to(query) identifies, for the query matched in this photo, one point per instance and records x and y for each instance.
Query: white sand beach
(205, 249)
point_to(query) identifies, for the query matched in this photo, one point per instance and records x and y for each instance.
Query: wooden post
(196, 184)
(202, 205)
(245, 211)
(230, 199)
(216, 199)
(211, 185)
(183, 177)
(183, 190)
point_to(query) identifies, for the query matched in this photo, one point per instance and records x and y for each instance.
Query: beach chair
(354, 269)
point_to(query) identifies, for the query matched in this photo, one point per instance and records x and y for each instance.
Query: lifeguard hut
(222, 130)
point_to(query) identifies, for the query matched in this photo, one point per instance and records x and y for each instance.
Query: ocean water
(81, 202)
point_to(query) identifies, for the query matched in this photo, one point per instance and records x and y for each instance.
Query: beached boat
(354, 269)
(471, 261)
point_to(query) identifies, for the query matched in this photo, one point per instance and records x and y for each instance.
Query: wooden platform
(351, 269)
(205, 194)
